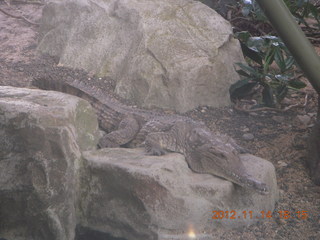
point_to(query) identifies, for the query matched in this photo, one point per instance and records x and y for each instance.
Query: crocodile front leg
(149, 127)
(156, 143)
(126, 131)
(172, 139)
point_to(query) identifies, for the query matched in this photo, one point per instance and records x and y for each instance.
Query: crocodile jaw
(223, 162)
(247, 181)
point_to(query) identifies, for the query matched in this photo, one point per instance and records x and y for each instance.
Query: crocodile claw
(156, 151)
(105, 142)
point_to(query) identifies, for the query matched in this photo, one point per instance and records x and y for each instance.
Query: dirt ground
(279, 137)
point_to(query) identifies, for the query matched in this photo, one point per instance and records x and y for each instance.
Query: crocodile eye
(197, 138)
(220, 155)
(193, 137)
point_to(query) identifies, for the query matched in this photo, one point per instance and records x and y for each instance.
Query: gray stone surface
(170, 54)
(221, 6)
(42, 135)
(156, 196)
(53, 179)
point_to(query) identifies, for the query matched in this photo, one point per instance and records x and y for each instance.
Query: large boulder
(53, 181)
(170, 54)
(42, 135)
(221, 6)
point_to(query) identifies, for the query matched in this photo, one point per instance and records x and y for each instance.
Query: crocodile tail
(80, 89)
(46, 83)
(108, 117)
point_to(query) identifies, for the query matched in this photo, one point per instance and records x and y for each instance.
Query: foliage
(269, 63)
(301, 9)
(252, 9)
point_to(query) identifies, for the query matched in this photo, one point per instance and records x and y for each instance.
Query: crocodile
(126, 126)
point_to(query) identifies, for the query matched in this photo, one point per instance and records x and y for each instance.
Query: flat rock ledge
(54, 184)
(160, 196)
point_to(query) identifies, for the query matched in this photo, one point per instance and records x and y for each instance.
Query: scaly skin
(204, 151)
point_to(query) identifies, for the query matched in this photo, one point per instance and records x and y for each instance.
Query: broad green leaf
(267, 96)
(281, 92)
(241, 88)
(278, 57)
(268, 59)
(256, 43)
(282, 77)
(251, 53)
(297, 84)
(270, 37)
(243, 36)
(242, 73)
(250, 70)
(289, 62)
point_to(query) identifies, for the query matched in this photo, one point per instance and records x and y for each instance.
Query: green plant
(275, 79)
(269, 63)
(301, 9)
(252, 9)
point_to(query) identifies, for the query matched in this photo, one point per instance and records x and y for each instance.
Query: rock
(248, 136)
(245, 129)
(278, 119)
(54, 183)
(169, 54)
(304, 119)
(282, 164)
(221, 6)
(159, 195)
(41, 136)
(312, 114)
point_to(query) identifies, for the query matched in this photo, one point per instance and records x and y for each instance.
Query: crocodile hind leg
(126, 131)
